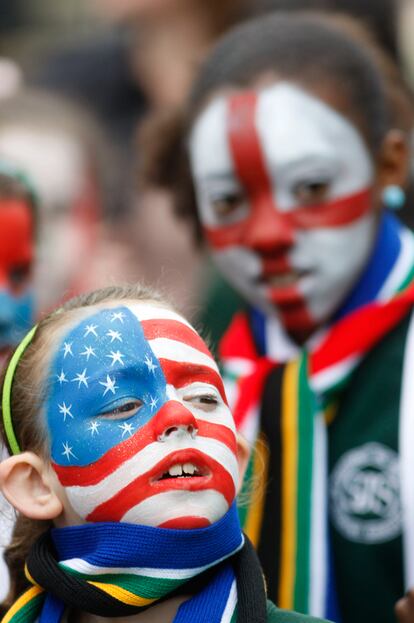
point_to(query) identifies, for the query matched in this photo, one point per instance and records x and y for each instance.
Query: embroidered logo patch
(365, 494)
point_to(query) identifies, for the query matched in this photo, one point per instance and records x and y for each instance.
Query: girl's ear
(26, 483)
(243, 454)
(394, 160)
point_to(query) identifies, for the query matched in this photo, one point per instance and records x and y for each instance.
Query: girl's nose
(173, 419)
(268, 230)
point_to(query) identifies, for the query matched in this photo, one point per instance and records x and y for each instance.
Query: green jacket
(276, 615)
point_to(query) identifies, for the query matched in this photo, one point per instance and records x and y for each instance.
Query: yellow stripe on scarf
(121, 594)
(289, 428)
(30, 594)
(254, 517)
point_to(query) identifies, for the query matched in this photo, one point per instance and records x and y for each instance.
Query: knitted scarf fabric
(287, 397)
(118, 569)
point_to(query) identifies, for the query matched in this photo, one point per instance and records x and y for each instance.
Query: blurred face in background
(16, 257)
(68, 212)
(285, 194)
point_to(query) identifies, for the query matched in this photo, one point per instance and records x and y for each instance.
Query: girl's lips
(181, 465)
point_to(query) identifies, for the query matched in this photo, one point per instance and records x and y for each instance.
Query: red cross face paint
(16, 256)
(284, 193)
(138, 422)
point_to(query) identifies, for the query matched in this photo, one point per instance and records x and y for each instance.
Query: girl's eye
(227, 203)
(18, 275)
(205, 402)
(123, 411)
(310, 193)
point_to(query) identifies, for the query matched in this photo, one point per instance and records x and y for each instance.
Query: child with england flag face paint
(294, 157)
(285, 191)
(17, 233)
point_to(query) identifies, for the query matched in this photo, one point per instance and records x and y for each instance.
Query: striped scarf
(118, 569)
(285, 410)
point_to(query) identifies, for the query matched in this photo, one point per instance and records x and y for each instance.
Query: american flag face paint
(16, 256)
(139, 426)
(284, 186)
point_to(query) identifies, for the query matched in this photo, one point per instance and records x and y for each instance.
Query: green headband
(7, 387)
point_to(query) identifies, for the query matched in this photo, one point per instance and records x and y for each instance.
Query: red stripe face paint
(284, 186)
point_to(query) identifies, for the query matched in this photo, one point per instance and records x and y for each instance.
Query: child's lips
(183, 466)
(282, 280)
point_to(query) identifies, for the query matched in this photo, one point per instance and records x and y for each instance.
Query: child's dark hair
(312, 49)
(27, 397)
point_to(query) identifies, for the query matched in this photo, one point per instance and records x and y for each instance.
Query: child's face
(16, 255)
(284, 185)
(139, 427)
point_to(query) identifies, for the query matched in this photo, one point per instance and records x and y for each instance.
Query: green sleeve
(275, 615)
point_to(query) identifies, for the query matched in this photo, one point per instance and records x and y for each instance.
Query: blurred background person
(18, 221)
(67, 156)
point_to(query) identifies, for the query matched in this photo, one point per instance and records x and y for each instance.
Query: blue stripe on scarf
(121, 544)
(384, 255)
(258, 326)
(53, 610)
(209, 604)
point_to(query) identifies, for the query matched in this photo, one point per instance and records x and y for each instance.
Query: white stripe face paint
(209, 504)
(295, 234)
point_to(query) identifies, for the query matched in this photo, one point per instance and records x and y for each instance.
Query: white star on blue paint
(109, 385)
(149, 363)
(116, 357)
(88, 352)
(81, 378)
(153, 403)
(67, 451)
(62, 377)
(126, 428)
(114, 335)
(91, 328)
(93, 428)
(67, 349)
(118, 316)
(65, 410)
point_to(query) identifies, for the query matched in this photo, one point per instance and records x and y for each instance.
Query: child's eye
(205, 402)
(226, 204)
(312, 192)
(123, 411)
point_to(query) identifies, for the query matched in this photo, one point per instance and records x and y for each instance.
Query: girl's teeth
(189, 468)
(181, 470)
(175, 470)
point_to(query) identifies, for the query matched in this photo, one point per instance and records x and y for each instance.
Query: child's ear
(26, 484)
(243, 454)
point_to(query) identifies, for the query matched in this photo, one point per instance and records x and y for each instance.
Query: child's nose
(173, 419)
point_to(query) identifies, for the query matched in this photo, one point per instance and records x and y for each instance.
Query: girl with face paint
(17, 225)
(298, 160)
(121, 438)
(17, 232)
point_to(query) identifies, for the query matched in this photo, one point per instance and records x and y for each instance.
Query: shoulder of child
(276, 615)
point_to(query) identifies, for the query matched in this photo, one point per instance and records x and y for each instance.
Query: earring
(393, 197)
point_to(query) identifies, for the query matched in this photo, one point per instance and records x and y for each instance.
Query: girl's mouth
(185, 470)
(182, 465)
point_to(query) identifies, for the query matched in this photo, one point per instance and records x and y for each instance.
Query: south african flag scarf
(118, 569)
(284, 399)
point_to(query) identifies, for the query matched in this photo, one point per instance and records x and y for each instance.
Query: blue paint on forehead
(102, 363)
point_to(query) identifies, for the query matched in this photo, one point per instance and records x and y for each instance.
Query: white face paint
(284, 192)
